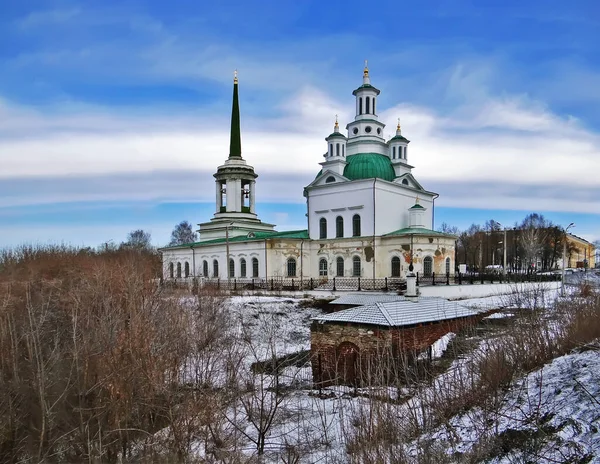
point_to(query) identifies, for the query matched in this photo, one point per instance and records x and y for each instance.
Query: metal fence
(393, 284)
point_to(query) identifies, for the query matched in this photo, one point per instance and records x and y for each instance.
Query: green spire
(235, 143)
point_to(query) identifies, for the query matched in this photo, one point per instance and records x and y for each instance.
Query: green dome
(368, 166)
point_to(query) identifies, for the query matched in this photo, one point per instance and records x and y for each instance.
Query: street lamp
(503, 250)
(564, 258)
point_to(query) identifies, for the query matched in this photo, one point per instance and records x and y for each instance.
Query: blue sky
(114, 115)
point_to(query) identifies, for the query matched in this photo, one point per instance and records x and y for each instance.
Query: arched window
(404, 182)
(447, 265)
(356, 225)
(329, 180)
(215, 268)
(254, 267)
(395, 266)
(427, 266)
(393, 152)
(242, 267)
(231, 268)
(323, 267)
(331, 149)
(323, 228)
(339, 227)
(339, 267)
(205, 268)
(374, 105)
(367, 105)
(343, 150)
(291, 267)
(337, 149)
(356, 266)
(360, 105)
(186, 269)
(404, 152)
(178, 270)
(171, 270)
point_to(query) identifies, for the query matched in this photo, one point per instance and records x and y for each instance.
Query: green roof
(235, 140)
(417, 231)
(366, 86)
(400, 137)
(258, 235)
(369, 166)
(416, 206)
(335, 134)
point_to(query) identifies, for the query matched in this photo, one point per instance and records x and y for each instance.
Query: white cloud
(506, 141)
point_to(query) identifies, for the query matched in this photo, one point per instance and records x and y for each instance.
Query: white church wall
(344, 199)
(392, 204)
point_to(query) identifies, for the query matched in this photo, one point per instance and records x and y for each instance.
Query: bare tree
(183, 233)
(138, 239)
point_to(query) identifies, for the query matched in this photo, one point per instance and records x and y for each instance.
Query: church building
(367, 215)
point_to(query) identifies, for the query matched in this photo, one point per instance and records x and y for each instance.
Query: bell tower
(235, 188)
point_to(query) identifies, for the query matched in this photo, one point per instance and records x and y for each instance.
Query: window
(427, 266)
(337, 149)
(374, 106)
(205, 268)
(339, 227)
(186, 269)
(323, 267)
(215, 268)
(242, 267)
(178, 270)
(171, 270)
(359, 106)
(395, 266)
(447, 265)
(356, 266)
(393, 152)
(231, 268)
(323, 228)
(291, 267)
(254, 267)
(343, 150)
(339, 266)
(404, 152)
(367, 105)
(404, 182)
(331, 149)
(329, 180)
(356, 225)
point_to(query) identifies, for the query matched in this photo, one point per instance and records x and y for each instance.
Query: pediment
(327, 177)
(409, 180)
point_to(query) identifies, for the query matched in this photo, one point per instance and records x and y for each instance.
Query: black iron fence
(385, 284)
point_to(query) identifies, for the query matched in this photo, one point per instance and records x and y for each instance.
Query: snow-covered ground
(550, 415)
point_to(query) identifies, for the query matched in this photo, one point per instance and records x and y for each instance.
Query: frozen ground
(552, 414)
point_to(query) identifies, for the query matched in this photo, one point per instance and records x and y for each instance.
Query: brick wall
(335, 346)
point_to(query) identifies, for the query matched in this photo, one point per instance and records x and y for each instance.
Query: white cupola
(335, 158)
(416, 215)
(365, 133)
(398, 147)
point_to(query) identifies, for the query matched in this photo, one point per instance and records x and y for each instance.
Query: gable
(327, 177)
(408, 180)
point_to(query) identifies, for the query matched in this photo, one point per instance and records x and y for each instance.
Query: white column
(219, 197)
(252, 195)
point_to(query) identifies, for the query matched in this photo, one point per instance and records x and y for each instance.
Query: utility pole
(564, 258)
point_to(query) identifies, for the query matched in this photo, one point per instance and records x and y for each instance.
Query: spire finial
(398, 126)
(366, 71)
(235, 142)
(417, 200)
(337, 126)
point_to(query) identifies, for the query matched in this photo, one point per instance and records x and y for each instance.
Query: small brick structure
(355, 346)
